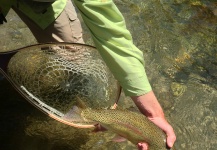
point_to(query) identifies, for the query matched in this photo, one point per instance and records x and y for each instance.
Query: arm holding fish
(124, 59)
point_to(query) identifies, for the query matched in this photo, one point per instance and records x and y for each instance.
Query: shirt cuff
(136, 87)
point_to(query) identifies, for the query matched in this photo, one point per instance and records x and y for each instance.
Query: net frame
(36, 102)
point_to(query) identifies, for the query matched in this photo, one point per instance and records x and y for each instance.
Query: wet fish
(131, 125)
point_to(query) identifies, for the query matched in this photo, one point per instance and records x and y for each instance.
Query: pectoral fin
(99, 128)
(119, 139)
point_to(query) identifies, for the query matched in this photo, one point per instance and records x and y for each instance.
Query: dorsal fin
(80, 103)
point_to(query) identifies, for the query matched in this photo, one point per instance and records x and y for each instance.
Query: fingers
(142, 146)
(167, 128)
(171, 138)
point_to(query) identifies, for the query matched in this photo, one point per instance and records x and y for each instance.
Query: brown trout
(131, 125)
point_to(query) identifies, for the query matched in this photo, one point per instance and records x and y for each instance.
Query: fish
(130, 125)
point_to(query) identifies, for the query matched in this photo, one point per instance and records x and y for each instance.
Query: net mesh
(57, 74)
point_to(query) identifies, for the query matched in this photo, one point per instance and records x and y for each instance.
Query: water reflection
(179, 40)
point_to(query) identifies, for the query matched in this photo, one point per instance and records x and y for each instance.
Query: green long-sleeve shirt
(112, 39)
(41, 19)
(114, 42)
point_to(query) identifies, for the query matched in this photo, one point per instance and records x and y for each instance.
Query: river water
(179, 41)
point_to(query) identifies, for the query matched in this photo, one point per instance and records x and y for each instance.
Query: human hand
(166, 127)
(150, 107)
(142, 146)
(2, 17)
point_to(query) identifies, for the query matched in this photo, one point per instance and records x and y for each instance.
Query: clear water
(179, 41)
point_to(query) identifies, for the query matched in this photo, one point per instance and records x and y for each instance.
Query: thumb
(171, 138)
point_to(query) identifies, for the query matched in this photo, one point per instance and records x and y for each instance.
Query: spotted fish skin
(131, 125)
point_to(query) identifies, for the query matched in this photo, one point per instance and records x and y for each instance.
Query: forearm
(148, 105)
(114, 43)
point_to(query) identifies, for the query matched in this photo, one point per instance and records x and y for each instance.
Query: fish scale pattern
(131, 125)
